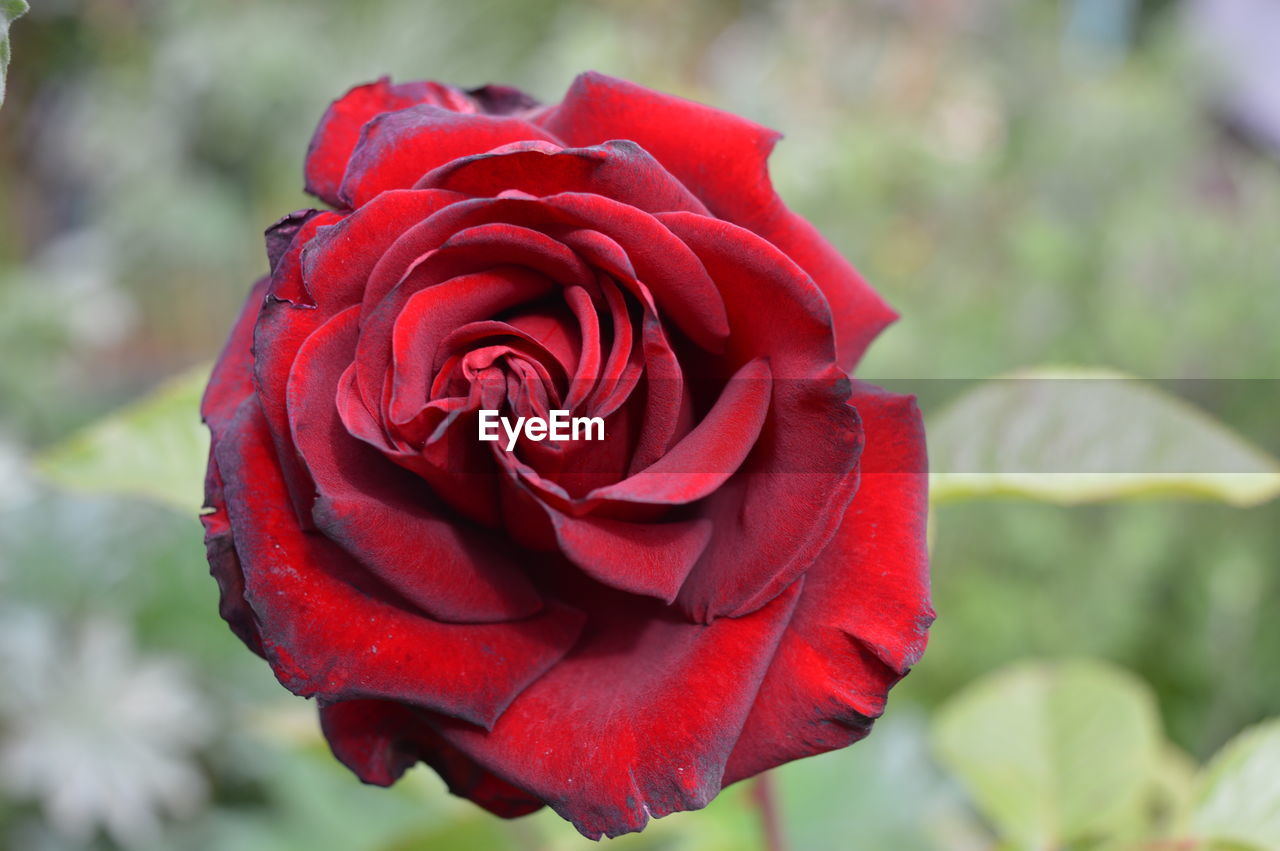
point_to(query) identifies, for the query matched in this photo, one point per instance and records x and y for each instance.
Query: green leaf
(1078, 435)
(1238, 798)
(155, 448)
(1053, 753)
(886, 790)
(1172, 787)
(10, 11)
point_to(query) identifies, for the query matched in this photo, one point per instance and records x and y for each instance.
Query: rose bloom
(732, 578)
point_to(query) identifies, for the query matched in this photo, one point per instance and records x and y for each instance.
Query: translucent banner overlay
(1017, 426)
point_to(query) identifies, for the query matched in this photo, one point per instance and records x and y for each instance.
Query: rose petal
(414, 246)
(327, 637)
(494, 248)
(421, 320)
(224, 563)
(786, 502)
(708, 455)
(339, 129)
(723, 159)
(861, 621)
(503, 100)
(321, 273)
(382, 515)
(232, 377)
(650, 559)
(638, 721)
(397, 148)
(230, 384)
(624, 365)
(284, 321)
(618, 169)
(280, 235)
(569, 327)
(504, 337)
(379, 740)
(338, 259)
(680, 286)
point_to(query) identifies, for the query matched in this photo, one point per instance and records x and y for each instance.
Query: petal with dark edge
(337, 260)
(379, 740)
(638, 720)
(723, 159)
(787, 500)
(330, 630)
(280, 235)
(224, 563)
(321, 273)
(339, 129)
(397, 148)
(618, 169)
(230, 384)
(862, 618)
(382, 514)
(232, 378)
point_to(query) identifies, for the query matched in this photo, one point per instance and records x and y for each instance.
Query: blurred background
(1028, 182)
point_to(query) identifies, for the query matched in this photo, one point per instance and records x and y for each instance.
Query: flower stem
(762, 792)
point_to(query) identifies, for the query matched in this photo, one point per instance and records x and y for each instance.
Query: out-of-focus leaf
(480, 830)
(313, 802)
(1080, 435)
(1172, 787)
(10, 10)
(155, 448)
(885, 790)
(1238, 799)
(1053, 753)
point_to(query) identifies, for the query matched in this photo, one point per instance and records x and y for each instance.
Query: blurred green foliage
(1024, 189)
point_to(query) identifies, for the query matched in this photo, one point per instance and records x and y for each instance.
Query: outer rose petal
(281, 234)
(379, 740)
(722, 158)
(232, 378)
(321, 272)
(271, 354)
(618, 169)
(397, 148)
(337, 260)
(861, 621)
(224, 562)
(335, 137)
(638, 720)
(330, 630)
(230, 384)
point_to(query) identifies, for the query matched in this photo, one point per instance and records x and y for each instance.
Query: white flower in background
(97, 735)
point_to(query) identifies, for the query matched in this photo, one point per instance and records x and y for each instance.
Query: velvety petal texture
(721, 566)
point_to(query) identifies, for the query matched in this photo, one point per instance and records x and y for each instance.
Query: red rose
(731, 579)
